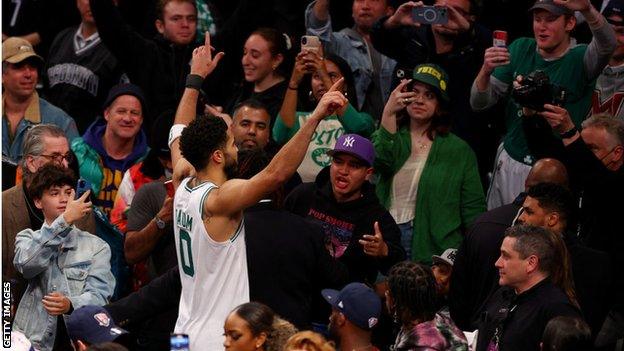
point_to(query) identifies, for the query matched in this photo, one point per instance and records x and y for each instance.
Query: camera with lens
(535, 90)
(430, 14)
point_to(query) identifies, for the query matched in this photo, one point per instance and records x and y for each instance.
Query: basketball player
(209, 231)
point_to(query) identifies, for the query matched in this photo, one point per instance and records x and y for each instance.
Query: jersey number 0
(186, 258)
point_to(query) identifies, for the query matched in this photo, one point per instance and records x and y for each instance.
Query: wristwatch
(160, 224)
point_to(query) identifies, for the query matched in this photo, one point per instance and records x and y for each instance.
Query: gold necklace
(363, 347)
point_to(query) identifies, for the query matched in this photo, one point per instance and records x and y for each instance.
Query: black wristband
(194, 81)
(570, 133)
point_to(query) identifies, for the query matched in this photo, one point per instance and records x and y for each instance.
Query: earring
(310, 96)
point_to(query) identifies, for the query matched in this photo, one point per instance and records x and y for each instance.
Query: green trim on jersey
(203, 198)
(241, 225)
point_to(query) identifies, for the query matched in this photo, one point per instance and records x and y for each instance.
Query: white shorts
(507, 180)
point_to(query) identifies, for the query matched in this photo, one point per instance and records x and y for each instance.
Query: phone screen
(179, 342)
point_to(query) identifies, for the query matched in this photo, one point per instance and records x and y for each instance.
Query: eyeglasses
(58, 158)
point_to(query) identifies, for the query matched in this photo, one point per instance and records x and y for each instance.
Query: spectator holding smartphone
(323, 73)
(66, 267)
(372, 71)
(428, 177)
(568, 65)
(457, 46)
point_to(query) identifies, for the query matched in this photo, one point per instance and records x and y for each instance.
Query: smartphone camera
(430, 14)
(82, 187)
(304, 40)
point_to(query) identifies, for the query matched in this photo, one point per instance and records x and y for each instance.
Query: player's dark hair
(201, 138)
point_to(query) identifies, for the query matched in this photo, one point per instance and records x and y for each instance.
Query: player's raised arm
(235, 195)
(202, 65)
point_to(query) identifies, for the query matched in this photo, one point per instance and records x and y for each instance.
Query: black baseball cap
(550, 6)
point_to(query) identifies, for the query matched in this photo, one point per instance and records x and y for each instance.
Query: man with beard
(372, 71)
(458, 48)
(208, 226)
(250, 125)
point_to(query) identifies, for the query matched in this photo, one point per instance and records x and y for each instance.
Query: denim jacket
(349, 45)
(62, 258)
(38, 112)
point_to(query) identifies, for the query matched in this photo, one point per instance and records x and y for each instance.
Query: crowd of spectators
(313, 174)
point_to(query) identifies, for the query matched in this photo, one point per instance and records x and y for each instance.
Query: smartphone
(430, 14)
(179, 342)
(310, 43)
(499, 39)
(82, 186)
(169, 187)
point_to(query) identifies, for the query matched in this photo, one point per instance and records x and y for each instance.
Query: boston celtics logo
(320, 157)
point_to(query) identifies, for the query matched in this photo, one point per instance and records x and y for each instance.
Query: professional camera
(535, 90)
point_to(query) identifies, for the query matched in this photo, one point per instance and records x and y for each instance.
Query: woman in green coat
(428, 177)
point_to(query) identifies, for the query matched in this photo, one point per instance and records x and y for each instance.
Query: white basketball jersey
(213, 274)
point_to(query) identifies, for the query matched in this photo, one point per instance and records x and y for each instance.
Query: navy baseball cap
(93, 325)
(355, 145)
(359, 303)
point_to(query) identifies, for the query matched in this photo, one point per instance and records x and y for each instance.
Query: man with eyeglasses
(43, 144)
(21, 105)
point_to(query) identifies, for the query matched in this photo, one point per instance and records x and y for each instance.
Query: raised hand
(403, 15)
(575, 5)
(495, 57)
(457, 22)
(331, 101)
(399, 98)
(203, 63)
(374, 245)
(76, 209)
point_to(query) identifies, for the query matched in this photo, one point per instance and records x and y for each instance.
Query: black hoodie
(345, 223)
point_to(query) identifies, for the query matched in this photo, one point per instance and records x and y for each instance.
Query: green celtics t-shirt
(324, 137)
(567, 72)
(323, 140)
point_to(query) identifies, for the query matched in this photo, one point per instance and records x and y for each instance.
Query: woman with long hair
(413, 302)
(323, 72)
(266, 62)
(428, 177)
(255, 327)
